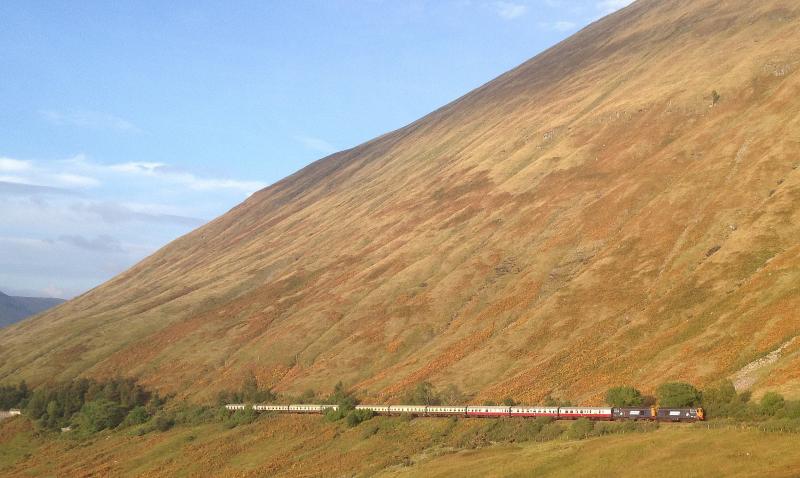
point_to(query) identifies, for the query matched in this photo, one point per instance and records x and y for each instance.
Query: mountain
(14, 309)
(623, 208)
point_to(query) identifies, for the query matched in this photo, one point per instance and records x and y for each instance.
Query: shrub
(355, 417)
(624, 397)
(677, 394)
(580, 429)
(508, 401)
(136, 416)
(771, 403)
(163, 422)
(98, 415)
(241, 417)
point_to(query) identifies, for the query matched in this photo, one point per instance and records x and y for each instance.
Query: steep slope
(622, 208)
(14, 309)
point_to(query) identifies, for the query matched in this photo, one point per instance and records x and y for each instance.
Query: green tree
(100, 414)
(136, 416)
(677, 394)
(624, 397)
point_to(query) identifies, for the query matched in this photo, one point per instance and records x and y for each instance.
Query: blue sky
(127, 124)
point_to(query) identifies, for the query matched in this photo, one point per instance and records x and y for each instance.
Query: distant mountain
(14, 309)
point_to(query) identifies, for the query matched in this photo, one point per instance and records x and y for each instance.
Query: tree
(249, 387)
(771, 402)
(452, 395)
(100, 414)
(624, 397)
(424, 394)
(677, 395)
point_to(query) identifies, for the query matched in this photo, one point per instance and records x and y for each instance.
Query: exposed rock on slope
(548, 232)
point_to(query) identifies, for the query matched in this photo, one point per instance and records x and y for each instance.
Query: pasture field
(307, 446)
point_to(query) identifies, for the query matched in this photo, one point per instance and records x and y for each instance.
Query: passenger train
(486, 411)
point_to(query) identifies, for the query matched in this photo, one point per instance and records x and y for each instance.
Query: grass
(289, 446)
(670, 452)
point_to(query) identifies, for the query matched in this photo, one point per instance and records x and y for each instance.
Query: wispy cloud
(20, 188)
(10, 165)
(510, 10)
(164, 172)
(559, 26)
(316, 144)
(101, 243)
(90, 120)
(610, 6)
(114, 213)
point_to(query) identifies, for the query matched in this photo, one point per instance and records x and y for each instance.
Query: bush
(677, 395)
(241, 417)
(162, 422)
(136, 416)
(580, 429)
(355, 417)
(98, 415)
(771, 403)
(722, 400)
(624, 397)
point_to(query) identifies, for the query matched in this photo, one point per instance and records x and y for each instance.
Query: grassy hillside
(307, 446)
(622, 208)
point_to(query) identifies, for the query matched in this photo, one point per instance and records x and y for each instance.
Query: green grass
(390, 446)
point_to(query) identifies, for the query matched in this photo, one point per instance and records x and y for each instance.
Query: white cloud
(164, 172)
(14, 179)
(509, 10)
(75, 180)
(137, 167)
(90, 120)
(610, 6)
(563, 26)
(10, 165)
(76, 222)
(316, 144)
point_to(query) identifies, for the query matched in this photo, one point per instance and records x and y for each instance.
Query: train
(663, 414)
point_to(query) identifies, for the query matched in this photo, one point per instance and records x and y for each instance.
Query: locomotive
(492, 411)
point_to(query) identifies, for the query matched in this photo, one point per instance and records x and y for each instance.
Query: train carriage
(523, 411)
(487, 411)
(634, 413)
(407, 409)
(680, 414)
(437, 410)
(594, 413)
(305, 408)
(271, 408)
(374, 408)
(235, 406)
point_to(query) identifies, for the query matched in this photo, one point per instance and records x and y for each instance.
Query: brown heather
(596, 216)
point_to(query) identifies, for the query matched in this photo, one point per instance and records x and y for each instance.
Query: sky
(126, 124)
